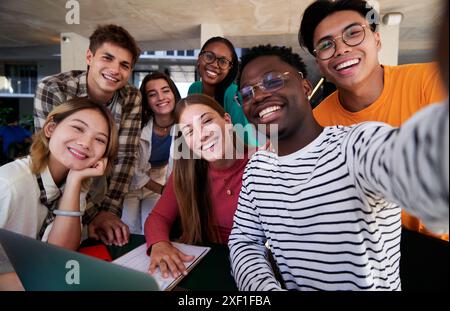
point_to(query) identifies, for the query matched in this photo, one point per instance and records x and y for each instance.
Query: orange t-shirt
(407, 89)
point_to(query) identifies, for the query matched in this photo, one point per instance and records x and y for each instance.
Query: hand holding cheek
(97, 169)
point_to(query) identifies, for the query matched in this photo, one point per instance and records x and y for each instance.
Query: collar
(146, 132)
(49, 195)
(49, 191)
(82, 85)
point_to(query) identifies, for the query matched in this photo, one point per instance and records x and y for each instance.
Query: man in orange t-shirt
(346, 49)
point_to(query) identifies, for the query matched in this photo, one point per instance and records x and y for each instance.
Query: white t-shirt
(21, 210)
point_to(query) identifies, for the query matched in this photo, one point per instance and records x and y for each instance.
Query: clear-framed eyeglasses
(271, 82)
(209, 58)
(352, 35)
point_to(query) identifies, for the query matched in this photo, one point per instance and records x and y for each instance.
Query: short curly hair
(283, 52)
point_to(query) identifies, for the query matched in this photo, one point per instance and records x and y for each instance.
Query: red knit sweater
(159, 222)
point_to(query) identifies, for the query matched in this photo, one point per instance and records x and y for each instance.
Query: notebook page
(138, 260)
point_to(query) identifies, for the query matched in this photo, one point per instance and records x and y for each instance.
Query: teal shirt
(232, 105)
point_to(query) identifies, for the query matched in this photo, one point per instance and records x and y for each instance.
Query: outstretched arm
(409, 165)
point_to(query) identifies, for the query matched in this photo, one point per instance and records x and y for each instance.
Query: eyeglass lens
(210, 58)
(351, 36)
(270, 83)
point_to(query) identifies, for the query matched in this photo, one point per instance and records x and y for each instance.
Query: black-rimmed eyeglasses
(210, 57)
(352, 35)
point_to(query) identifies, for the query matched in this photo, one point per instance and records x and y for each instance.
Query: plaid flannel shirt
(54, 90)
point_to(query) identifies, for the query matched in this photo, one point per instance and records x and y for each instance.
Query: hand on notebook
(168, 258)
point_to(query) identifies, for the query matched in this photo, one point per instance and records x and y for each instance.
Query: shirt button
(229, 192)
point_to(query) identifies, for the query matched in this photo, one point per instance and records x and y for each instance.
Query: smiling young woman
(155, 161)
(204, 187)
(217, 66)
(43, 195)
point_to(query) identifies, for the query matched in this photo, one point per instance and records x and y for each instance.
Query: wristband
(58, 212)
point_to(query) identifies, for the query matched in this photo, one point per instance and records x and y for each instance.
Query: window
(170, 53)
(138, 76)
(19, 79)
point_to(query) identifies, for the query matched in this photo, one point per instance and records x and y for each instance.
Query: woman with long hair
(154, 162)
(204, 187)
(43, 195)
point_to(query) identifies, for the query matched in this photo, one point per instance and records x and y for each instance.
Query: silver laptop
(45, 267)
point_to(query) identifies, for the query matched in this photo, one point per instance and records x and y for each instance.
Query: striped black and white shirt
(330, 212)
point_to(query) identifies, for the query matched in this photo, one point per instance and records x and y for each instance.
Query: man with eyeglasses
(346, 48)
(328, 202)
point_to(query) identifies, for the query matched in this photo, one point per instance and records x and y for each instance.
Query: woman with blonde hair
(204, 187)
(43, 195)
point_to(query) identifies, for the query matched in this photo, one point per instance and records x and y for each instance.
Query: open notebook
(138, 260)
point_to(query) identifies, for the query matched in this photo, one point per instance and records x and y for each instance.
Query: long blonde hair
(191, 184)
(39, 150)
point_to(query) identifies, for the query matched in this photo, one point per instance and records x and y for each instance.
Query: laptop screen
(45, 267)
